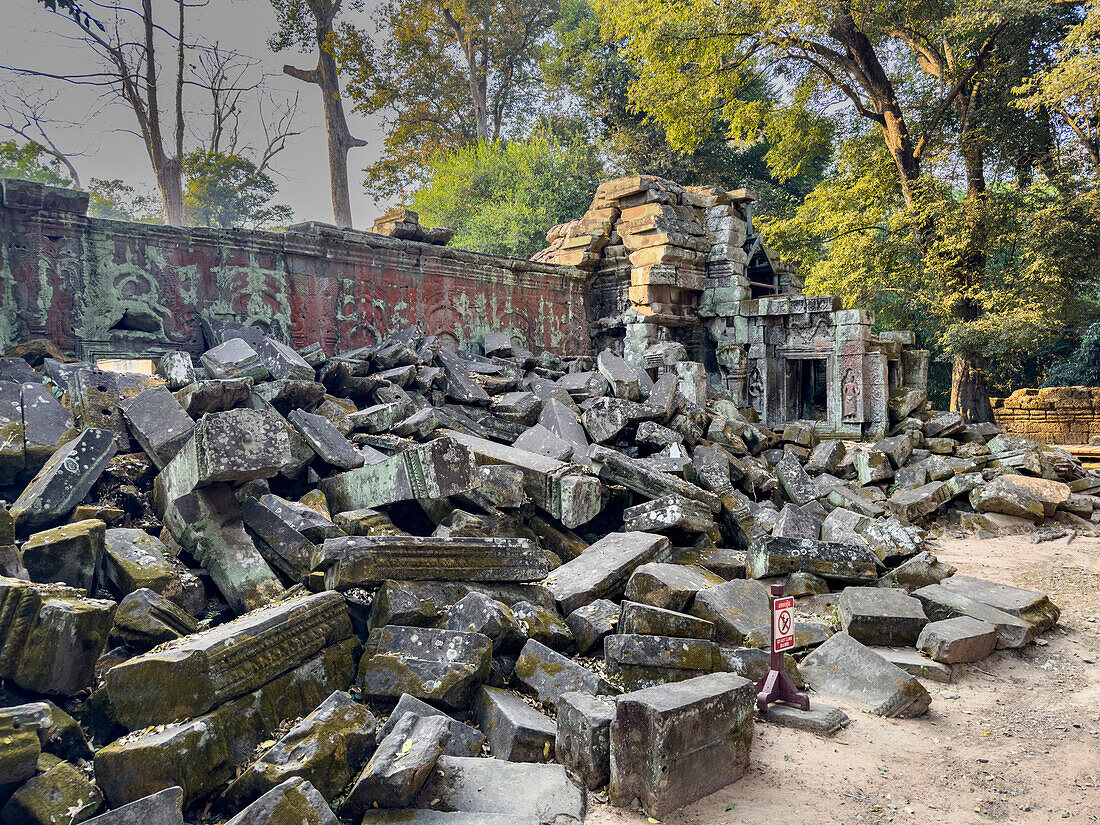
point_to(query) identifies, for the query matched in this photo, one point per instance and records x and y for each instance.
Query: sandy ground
(1014, 739)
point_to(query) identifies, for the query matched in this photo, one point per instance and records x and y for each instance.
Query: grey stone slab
(538, 439)
(640, 661)
(632, 474)
(795, 481)
(400, 765)
(1033, 607)
(326, 440)
(563, 422)
(284, 548)
(435, 470)
(487, 786)
(921, 570)
(516, 731)
(848, 671)
(64, 480)
(656, 621)
(134, 559)
(161, 808)
(234, 359)
(668, 513)
(881, 616)
(962, 639)
(943, 603)
(464, 740)
(740, 611)
(604, 568)
(282, 362)
(477, 613)
(824, 720)
(591, 623)
(911, 661)
(623, 379)
(831, 560)
(549, 674)
(294, 801)
(358, 561)
(674, 744)
(215, 666)
(793, 523)
(325, 748)
(158, 423)
(754, 664)
(583, 742)
(443, 666)
(312, 524)
(671, 586)
(177, 369)
(917, 503)
(145, 619)
(543, 625)
(47, 425)
(71, 554)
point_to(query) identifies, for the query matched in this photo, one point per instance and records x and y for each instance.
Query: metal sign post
(776, 687)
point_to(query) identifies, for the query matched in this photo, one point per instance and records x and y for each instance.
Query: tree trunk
(970, 390)
(327, 78)
(170, 183)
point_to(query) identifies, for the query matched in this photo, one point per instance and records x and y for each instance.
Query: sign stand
(776, 687)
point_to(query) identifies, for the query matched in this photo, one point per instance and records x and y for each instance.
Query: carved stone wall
(99, 287)
(1053, 415)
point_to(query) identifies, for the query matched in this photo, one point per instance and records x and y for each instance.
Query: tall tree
(309, 24)
(447, 73)
(132, 72)
(915, 72)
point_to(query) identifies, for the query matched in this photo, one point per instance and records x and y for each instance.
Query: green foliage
(30, 161)
(502, 198)
(1082, 367)
(116, 201)
(443, 76)
(224, 190)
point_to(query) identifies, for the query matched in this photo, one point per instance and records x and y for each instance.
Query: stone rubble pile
(288, 587)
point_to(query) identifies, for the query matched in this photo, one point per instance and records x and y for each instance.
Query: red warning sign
(782, 624)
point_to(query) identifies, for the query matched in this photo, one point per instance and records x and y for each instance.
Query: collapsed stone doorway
(807, 389)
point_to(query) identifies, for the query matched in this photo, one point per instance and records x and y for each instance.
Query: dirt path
(1015, 739)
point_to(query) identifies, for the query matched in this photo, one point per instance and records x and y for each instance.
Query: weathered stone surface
(646, 620)
(64, 480)
(830, 560)
(799, 584)
(209, 523)
(145, 619)
(50, 636)
(592, 623)
(464, 740)
(962, 639)
(941, 602)
(47, 426)
(795, 481)
(1033, 607)
(538, 439)
(668, 513)
(201, 754)
(823, 720)
(674, 744)
(326, 440)
(880, 616)
(434, 470)
(413, 816)
(548, 674)
(554, 486)
(634, 475)
(294, 802)
(133, 559)
(282, 546)
(158, 423)
(357, 561)
(795, 523)
(71, 554)
(912, 662)
(604, 568)
(234, 359)
(19, 756)
(623, 378)
(912, 574)
(826, 457)
(477, 613)
(542, 624)
(848, 671)
(484, 786)
(516, 732)
(220, 664)
(671, 586)
(399, 767)
(1001, 496)
(283, 362)
(441, 666)
(583, 741)
(739, 610)
(641, 661)
(12, 453)
(918, 502)
(60, 794)
(161, 808)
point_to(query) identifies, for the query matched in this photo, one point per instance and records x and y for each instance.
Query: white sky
(34, 39)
